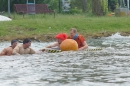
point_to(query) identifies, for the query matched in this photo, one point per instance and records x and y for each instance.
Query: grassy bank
(43, 26)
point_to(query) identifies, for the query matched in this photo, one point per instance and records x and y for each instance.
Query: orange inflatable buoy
(69, 44)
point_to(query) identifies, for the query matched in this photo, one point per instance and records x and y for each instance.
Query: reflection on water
(110, 66)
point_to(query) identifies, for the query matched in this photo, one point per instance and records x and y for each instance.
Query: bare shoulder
(8, 48)
(19, 45)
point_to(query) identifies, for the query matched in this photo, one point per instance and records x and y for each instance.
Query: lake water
(107, 67)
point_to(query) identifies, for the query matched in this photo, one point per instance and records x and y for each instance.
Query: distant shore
(45, 27)
(50, 37)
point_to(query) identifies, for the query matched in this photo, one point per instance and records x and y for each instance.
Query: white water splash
(116, 40)
(117, 35)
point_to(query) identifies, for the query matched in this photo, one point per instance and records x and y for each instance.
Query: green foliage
(53, 4)
(72, 11)
(77, 5)
(75, 11)
(89, 5)
(2, 5)
(113, 4)
(104, 5)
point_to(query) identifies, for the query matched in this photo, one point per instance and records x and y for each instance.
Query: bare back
(7, 51)
(20, 50)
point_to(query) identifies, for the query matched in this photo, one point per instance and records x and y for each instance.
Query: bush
(72, 11)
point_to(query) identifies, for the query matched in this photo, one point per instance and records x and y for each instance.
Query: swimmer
(8, 50)
(23, 48)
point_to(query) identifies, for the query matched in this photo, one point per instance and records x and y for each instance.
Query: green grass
(33, 25)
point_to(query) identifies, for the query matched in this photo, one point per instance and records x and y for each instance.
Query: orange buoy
(69, 44)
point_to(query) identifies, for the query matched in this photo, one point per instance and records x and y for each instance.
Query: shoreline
(50, 37)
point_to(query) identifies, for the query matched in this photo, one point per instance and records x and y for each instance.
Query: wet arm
(85, 46)
(32, 51)
(53, 45)
(50, 46)
(3, 52)
(15, 51)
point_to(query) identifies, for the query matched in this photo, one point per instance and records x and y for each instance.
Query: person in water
(8, 50)
(78, 38)
(60, 37)
(23, 48)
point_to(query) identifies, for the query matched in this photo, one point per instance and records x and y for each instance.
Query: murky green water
(108, 67)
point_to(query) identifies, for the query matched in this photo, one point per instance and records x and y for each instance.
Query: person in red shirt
(78, 38)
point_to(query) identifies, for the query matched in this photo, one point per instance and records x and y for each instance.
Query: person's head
(73, 31)
(13, 43)
(61, 37)
(26, 43)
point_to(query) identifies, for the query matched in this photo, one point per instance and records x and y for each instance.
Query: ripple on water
(108, 67)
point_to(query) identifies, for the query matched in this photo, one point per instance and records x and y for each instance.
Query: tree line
(97, 7)
(4, 3)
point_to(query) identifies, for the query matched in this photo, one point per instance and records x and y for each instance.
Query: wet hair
(74, 30)
(26, 40)
(13, 41)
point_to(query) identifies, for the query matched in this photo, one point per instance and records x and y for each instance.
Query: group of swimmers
(18, 49)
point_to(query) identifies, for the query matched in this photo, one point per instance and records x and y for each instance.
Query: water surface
(108, 67)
